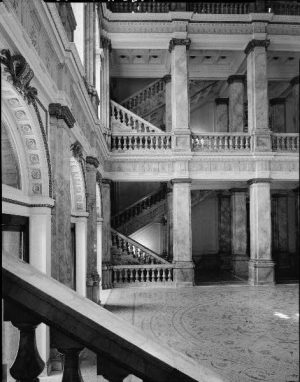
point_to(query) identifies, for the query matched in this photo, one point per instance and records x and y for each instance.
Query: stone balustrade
(221, 7)
(124, 119)
(144, 95)
(138, 207)
(140, 274)
(131, 247)
(140, 7)
(221, 142)
(285, 142)
(141, 141)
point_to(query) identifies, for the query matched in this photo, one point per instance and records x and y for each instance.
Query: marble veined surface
(244, 333)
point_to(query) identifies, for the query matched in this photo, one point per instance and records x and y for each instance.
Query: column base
(183, 273)
(261, 272)
(240, 265)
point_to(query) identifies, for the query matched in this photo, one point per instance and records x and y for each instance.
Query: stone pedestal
(182, 233)
(277, 114)
(179, 93)
(236, 103)
(239, 234)
(257, 90)
(221, 124)
(261, 265)
(92, 274)
(106, 234)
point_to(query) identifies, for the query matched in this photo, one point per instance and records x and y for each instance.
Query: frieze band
(62, 112)
(179, 41)
(254, 43)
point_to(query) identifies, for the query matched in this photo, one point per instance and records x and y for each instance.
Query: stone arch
(24, 128)
(78, 197)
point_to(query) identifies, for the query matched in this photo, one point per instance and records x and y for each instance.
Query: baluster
(215, 143)
(210, 143)
(167, 275)
(163, 275)
(147, 275)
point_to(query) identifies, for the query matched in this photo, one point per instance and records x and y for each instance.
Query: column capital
(259, 180)
(294, 81)
(167, 78)
(222, 101)
(92, 160)
(236, 78)
(277, 101)
(106, 43)
(181, 180)
(256, 43)
(62, 112)
(179, 41)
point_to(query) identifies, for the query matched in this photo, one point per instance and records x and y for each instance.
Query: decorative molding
(277, 101)
(222, 101)
(12, 201)
(259, 180)
(62, 112)
(179, 41)
(256, 43)
(92, 160)
(294, 81)
(236, 78)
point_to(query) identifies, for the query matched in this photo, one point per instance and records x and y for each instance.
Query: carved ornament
(62, 112)
(256, 43)
(179, 41)
(76, 149)
(92, 160)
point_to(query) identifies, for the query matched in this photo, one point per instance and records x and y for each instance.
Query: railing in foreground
(138, 275)
(285, 142)
(131, 247)
(123, 119)
(121, 348)
(221, 142)
(141, 141)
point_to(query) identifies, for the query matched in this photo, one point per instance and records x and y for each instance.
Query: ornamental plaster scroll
(23, 122)
(78, 190)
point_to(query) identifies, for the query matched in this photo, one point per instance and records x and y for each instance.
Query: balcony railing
(141, 141)
(285, 142)
(214, 142)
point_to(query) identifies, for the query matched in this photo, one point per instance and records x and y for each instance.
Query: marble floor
(244, 333)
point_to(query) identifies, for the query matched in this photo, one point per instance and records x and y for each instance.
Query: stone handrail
(285, 142)
(122, 119)
(144, 94)
(221, 142)
(138, 274)
(141, 141)
(137, 207)
(131, 247)
(82, 321)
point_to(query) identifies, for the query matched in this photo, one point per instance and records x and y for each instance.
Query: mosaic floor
(244, 333)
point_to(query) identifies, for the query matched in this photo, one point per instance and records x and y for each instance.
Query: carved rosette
(256, 43)
(179, 41)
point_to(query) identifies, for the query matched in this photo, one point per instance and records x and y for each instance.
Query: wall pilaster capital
(221, 101)
(259, 180)
(92, 161)
(294, 81)
(277, 101)
(256, 43)
(236, 78)
(62, 112)
(106, 181)
(179, 41)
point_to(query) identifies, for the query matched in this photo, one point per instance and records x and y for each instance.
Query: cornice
(92, 160)
(179, 41)
(62, 112)
(256, 43)
(236, 78)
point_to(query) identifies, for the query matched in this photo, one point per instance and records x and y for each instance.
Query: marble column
(62, 265)
(170, 223)
(225, 258)
(99, 247)
(221, 115)
(89, 42)
(236, 103)
(105, 83)
(182, 233)
(277, 113)
(106, 234)
(261, 266)
(239, 233)
(179, 93)
(91, 273)
(168, 102)
(257, 91)
(81, 253)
